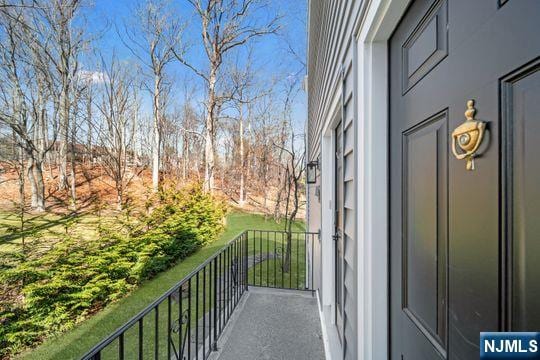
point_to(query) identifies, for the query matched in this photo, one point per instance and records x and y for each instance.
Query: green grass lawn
(74, 343)
(269, 272)
(45, 229)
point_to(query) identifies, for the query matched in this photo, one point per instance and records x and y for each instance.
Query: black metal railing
(280, 259)
(186, 322)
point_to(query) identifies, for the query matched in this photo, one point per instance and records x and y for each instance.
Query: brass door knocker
(468, 136)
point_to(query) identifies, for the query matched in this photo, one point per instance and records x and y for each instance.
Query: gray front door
(463, 242)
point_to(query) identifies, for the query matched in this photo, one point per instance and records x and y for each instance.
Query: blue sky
(271, 57)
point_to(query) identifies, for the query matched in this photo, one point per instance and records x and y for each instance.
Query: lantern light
(311, 171)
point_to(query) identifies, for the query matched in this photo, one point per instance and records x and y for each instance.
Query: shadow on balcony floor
(273, 324)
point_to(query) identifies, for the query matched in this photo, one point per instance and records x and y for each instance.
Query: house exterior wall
(331, 75)
(347, 79)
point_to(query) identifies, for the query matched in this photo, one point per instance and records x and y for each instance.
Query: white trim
(327, 215)
(332, 345)
(375, 28)
(327, 227)
(374, 25)
(326, 341)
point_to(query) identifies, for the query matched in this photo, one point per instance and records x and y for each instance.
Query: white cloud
(95, 77)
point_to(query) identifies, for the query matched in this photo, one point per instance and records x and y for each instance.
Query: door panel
(461, 242)
(425, 227)
(521, 107)
(426, 46)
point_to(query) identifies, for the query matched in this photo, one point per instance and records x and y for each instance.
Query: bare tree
(225, 25)
(89, 97)
(154, 38)
(245, 92)
(290, 90)
(294, 171)
(66, 41)
(116, 106)
(262, 155)
(26, 88)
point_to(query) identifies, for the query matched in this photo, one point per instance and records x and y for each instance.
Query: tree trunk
(157, 138)
(281, 189)
(40, 186)
(185, 155)
(32, 181)
(119, 198)
(242, 163)
(64, 138)
(73, 180)
(209, 135)
(89, 125)
(135, 123)
(22, 198)
(287, 256)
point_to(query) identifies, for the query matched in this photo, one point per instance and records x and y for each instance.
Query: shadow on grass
(31, 229)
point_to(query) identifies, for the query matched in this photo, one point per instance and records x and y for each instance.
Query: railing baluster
(297, 263)
(260, 258)
(229, 282)
(204, 314)
(234, 275)
(141, 339)
(275, 261)
(214, 345)
(180, 321)
(223, 290)
(311, 263)
(156, 338)
(210, 301)
(246, 272)
(197, 315)
(121, 346)
(229, 285)
(282, 264)
(169, 327)
(188, 332)
(236, 272)
(289, 251)
(254, 255)
(306, 264)
(267, 259)
(220, 283)
(226, 286)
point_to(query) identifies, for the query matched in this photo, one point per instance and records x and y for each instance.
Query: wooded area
(73, 115)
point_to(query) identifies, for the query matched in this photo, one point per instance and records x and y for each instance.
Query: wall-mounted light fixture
(311, 171)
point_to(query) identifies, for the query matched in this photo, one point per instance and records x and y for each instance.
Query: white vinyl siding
(331, 70)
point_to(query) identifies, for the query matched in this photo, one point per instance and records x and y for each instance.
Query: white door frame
(373, 29)
(328, 310)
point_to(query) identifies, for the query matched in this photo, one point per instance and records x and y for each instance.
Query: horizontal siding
(348, 139)
(349, 200)
(330, 32)
(331, 71)
(349, 298)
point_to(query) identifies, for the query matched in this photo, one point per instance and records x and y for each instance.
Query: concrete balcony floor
(273, 324)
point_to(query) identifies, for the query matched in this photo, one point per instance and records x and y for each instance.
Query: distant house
(424, 130)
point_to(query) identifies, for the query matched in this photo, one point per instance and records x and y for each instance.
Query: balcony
(273, 324)
(253, 299)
